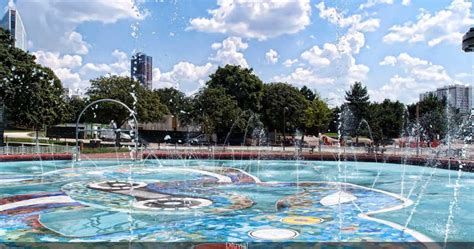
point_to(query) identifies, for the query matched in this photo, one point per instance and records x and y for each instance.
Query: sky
(397, 48)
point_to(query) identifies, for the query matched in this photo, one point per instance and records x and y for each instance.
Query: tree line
(233, 98)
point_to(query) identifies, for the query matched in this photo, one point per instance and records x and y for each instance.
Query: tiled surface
(238, 208)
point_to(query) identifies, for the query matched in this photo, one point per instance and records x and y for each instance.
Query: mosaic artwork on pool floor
(189, 204)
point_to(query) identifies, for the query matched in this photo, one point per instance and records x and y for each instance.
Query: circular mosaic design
(115, 185)
(173, 203)
(273, 234)
(301, 220)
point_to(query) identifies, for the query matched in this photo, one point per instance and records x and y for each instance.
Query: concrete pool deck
(444, 163)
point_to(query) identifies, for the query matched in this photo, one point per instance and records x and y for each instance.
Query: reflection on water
(175, 177)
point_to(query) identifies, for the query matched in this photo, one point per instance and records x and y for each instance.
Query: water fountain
(183, 197)
(168, 190)
(134, 130)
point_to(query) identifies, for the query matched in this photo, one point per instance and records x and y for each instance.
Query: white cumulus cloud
(419, 76)
(52, 24)
(406, 2)
(63, 66)
(55, 60)
(72, 41)
(337, 60)
(230, 52)
(184, 76)
(446, 25)
(315, 56)
(271, 56)
(354, 22)
(371, 3)
(120, 66)
(68, 78)
(302, 76)
(289, 62)
(255, 19)
(330, 67)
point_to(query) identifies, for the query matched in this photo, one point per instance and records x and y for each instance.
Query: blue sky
(398, 48)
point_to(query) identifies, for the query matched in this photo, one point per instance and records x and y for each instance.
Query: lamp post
(417, 130)
(284, 125)
(468, 41)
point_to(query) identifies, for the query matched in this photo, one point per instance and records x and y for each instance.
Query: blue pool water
(255, 200)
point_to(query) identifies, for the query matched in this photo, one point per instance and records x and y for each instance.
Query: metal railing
(460, 153)
(24, 150)
(439, 152)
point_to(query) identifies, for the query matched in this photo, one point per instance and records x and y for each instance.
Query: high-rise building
(141, 69)
(12, 21)
(457, 96)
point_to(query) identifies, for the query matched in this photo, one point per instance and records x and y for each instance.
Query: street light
(468, 41)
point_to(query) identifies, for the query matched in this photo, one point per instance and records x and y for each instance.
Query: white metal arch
(135, 139)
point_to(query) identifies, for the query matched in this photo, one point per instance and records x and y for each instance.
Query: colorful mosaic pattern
(239, 208)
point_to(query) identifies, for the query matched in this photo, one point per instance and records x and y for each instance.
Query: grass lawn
(331, 134)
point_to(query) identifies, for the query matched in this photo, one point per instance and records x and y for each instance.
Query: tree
(334, 122)
(240, 83)
(177, 103)
(357, 100)
(432, 117)
(146, 103)
(32, 94)
(307, 93)
(318, 116)
(216, 111)
(386, 120)
(74, 107)
(8, 59)
(36, 98)
(283, 107)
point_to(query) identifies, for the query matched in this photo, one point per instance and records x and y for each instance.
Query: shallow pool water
(255, 200)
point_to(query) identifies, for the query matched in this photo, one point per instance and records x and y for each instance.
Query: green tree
(35, 99)
(146, 103)
(386, 120)
(177, 103)
(308, 93)
(74, 107)
(32, 94)
(9, 59)
(283, 107)
(432, 117)
(216, 111)
(334, 122)
(357, 100)
(240, 83)
(318, 116)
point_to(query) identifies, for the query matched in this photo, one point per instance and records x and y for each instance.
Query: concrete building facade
(457, 96)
